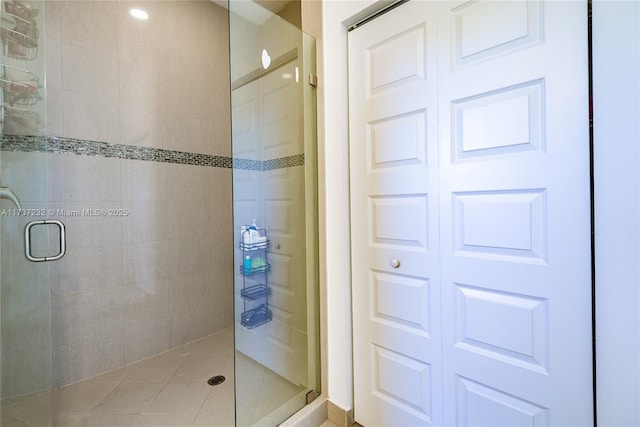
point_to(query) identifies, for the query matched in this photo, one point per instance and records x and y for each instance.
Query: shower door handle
(7, 193)
(27, 240)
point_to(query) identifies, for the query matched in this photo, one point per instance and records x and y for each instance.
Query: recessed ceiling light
(139, 14)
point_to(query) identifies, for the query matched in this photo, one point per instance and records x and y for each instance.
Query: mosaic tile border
(283, 162)
(61, 145)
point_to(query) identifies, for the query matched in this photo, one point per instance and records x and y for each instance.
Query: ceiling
(274, 6)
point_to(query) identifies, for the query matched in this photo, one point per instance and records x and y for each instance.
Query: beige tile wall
(159, 83)
(25, 295)
(130, 287)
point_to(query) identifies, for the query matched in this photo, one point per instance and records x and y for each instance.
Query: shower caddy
(20, 87)
(255, 290)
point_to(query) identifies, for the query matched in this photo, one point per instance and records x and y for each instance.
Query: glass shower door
(25, 320)
(275, 215)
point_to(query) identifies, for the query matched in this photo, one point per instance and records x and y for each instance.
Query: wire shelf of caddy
(256, 316)
(258, 265)
(20, 87)
(19, 121)
(255, 292)
(254, 241)
(19, 30)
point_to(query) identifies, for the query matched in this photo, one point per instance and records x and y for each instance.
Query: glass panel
(138, 126)
(25, 340)
(274, 191)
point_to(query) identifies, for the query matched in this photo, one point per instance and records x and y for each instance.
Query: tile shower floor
(169, 389)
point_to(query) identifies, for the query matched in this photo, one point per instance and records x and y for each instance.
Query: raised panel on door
(514, 213)
(286, 335)
(282, 105)
(246, 123)
(394, 208)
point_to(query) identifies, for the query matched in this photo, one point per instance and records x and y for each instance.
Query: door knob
(395, 263)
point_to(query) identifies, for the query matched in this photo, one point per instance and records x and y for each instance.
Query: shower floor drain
(218, 379)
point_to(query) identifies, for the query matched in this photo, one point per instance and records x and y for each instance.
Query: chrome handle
(7, 193)
(27, 240)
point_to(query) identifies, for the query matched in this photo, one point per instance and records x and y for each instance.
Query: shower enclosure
(119, 289)
(274, 190)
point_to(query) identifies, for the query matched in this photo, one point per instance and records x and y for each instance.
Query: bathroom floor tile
(167, 390)
(107, 420)
(32, 410)
(223, 419)
(157, 368)
(201, 368)
(8, 421)
(179, 397)
(164, 420)
(80, 398)
(129, 397)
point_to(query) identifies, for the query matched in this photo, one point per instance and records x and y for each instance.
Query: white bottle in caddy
(256, 235)
(253, 231)
(245, 235)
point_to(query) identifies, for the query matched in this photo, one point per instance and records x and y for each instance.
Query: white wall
(336, 207)
(616, 70)
(617, 175)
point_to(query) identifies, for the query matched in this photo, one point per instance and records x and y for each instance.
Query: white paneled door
(267, 128)
(470, 198)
